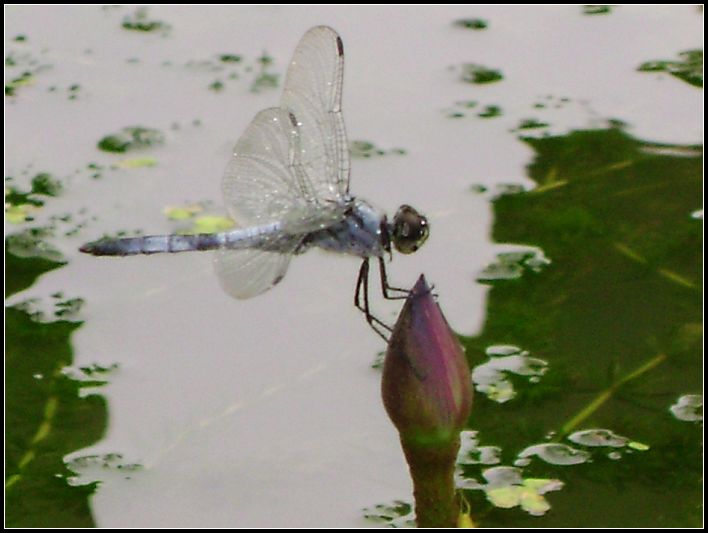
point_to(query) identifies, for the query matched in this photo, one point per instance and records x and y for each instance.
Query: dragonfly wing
(313, 94)
(290, 166)
(259, 185)
(248, 273)
(264, 182)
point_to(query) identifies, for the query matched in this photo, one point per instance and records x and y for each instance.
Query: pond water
(557, 152)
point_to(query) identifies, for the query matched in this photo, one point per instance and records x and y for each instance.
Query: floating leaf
(471, 24)
(479, 74)
(22, 80)
(532, 123)
(556, 453)
(542, 486)
(598, 437)
(139, 162)
(471, 453)
(32, 242)
(17, 214)
(264, 79)
(533, 503)
(596, 9)
(139, 21)
(230, 58)
(217, 86)
(505, 497)
(44, 183)
(182, 212)
(89, 468)
(688, 408)
(491, 378)
(113, 143)
(367, 149)
(460, 108)
(507, 489)
(490, 111)
(131, 138)
(212, 224)
(689, 67)
(396, 514)
(512, 265)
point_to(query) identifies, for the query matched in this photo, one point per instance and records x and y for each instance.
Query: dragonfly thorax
(363, 231)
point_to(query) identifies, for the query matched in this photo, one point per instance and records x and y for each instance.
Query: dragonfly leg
(362, 290)
(385, 287)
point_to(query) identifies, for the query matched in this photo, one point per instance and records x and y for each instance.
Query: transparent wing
(247, 273)
(264, 182)
(291, 165)
(313, 93)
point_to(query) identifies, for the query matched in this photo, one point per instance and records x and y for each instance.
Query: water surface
(565, 202)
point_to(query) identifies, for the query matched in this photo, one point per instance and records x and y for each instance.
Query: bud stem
(432, 469)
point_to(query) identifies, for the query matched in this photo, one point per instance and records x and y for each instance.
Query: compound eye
(410, 230)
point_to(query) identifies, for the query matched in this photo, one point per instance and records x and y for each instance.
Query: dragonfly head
(410, 230)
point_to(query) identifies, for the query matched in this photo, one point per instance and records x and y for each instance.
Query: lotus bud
(427, 393)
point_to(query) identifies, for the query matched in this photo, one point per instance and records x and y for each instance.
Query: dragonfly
(287, 188)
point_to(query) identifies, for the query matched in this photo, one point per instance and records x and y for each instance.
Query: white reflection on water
(491, 378)
(688, 408)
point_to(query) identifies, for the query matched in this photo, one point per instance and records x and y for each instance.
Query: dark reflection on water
(617, 318)
(46, 417)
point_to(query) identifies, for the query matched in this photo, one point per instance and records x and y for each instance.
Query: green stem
(432, 469)
(605, 395)
(670, 275)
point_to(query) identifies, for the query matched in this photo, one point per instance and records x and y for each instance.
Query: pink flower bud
(426, 384)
